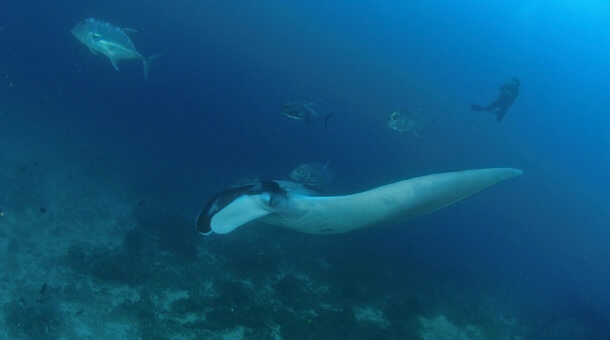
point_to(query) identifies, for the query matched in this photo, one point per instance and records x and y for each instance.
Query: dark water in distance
(209, 114)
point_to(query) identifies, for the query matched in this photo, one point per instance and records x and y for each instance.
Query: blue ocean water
(104, 172)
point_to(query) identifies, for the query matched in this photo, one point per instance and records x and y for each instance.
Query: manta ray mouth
(235, 206)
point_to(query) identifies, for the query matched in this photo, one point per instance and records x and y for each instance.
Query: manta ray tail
(146, 62)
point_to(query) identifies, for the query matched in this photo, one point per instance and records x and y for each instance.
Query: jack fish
(312, 174)
(304, 112)
(111, 41)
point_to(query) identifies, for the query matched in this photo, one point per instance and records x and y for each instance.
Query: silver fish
(304, 112)
(111, 41)
(408, 120)
(312, 174)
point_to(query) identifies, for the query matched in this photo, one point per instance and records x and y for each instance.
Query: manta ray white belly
(388, 204)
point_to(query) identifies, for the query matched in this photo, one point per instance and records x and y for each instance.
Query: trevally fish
(312, 174)
(304, 112)
(408, 120)
(111, 41)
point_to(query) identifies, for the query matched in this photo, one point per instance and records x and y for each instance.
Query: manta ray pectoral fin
(388, 204)
(278, 203)
(237, 213)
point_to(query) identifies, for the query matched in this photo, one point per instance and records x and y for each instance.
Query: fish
(293, 206)
(110, 40)
(304, 112)
(312, 174)
(408, 121)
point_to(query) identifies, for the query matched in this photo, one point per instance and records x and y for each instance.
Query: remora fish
(304, 112)
(111, 41)
(312, 174)
(293, 206)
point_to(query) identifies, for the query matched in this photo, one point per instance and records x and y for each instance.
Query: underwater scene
(304, 169)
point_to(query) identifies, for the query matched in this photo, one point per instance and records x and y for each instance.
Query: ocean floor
(83, 258)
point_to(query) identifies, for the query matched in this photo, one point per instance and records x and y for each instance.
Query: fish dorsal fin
(113, 62)
(130, 30)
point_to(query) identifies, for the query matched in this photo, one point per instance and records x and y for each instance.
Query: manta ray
(293, 206)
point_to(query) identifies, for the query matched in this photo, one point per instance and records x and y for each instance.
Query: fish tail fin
(475, 107)
(326, 119)
(146, 62)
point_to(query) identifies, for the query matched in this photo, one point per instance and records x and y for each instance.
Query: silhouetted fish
(304, 112)
(408, 120)
(312, 174)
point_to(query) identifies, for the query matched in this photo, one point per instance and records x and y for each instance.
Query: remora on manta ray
(293, 206)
